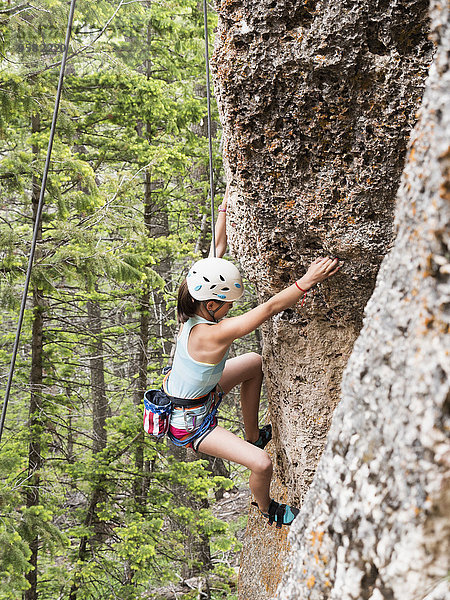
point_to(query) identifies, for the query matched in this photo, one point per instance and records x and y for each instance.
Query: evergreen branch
(56, 64)
(12, 175)
(15, 10)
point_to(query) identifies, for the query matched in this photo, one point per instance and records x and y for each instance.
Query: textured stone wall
(317, 100)
(376, 521)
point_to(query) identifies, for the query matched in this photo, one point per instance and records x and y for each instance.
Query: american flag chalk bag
(157, 412)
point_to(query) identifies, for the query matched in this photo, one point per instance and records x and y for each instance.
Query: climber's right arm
(235, 327)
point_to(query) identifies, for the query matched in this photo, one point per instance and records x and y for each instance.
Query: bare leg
(224, 444)
(247, 371)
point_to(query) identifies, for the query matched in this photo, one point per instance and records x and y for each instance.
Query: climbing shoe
(265, 435)
(282, 514)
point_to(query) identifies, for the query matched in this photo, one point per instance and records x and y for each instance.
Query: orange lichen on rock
(316, 536)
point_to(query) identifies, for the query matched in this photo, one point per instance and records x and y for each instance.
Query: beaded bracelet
(223, 210)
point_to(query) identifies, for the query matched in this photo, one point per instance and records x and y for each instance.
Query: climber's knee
(240, 369)
(255, 363)
(256, 359)
(262, 465)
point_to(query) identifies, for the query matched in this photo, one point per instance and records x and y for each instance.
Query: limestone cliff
(317, 101)
(376, 521)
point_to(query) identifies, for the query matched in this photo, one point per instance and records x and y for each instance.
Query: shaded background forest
(90, 508)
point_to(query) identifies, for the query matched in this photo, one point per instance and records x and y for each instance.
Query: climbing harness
(198, 419)
(282, 514)
(208, 99)
(196, 415)
(38, 216)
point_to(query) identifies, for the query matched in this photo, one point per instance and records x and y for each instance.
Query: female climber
(200, 367)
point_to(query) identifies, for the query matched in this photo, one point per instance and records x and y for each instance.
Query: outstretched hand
(224, 203)
(320, 269)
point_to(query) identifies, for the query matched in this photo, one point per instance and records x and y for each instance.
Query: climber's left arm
(221, 229)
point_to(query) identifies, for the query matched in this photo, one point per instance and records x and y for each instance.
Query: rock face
(317, 100)
(376, 521)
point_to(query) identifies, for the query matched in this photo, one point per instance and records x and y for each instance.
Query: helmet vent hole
(212, 286)
(205, 278)
(222, 278)
(225, 289)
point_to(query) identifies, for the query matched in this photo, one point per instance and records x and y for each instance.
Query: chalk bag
(157, 412)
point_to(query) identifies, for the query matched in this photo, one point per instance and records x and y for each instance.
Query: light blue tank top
(188, 377)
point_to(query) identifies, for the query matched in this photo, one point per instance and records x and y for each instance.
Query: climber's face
(225, 308)
(221, 312)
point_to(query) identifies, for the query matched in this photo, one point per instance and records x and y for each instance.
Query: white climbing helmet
(215, 279)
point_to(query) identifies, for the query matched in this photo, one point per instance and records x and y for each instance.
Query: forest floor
(233, 509)
(232, 506)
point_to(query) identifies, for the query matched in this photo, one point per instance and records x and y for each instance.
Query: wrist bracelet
(223, 210)
(305, 293)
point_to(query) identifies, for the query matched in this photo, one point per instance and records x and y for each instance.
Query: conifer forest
(90, 507)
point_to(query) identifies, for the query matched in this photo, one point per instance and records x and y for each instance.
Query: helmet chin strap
(212, 313)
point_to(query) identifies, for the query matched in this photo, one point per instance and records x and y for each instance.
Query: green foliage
(14, 561)
(126, 193)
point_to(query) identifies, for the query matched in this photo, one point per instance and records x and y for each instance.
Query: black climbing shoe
(265, 435)
(281, 513)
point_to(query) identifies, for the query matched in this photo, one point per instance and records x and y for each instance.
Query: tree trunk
(98, 386)
(196, 549)
(140, 484)
(34, 452)
(99, 432)
(70, 433)
(36, 380)
(317, 103)
(156, 223)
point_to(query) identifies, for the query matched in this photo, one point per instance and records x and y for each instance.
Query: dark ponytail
(187, 306)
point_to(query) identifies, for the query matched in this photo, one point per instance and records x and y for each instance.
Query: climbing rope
(38, 217)
(208, 97)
